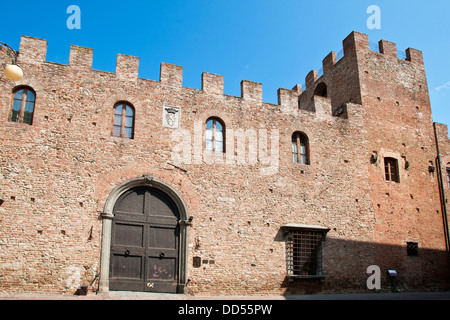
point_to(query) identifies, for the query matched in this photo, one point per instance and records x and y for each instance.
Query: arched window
(215, 135)
(300, 148)
(123, 121)
(23, 105)
(321, 90)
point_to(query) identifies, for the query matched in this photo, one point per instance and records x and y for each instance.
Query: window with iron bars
(304, 252)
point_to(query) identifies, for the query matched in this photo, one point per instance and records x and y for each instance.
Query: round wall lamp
(12, 71)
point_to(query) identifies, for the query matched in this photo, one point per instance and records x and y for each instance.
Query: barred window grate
(304, 252)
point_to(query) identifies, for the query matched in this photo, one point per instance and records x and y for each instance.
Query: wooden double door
(145, 242)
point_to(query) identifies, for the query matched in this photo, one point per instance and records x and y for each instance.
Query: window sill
(19, 125)
(304, 165)
(122, 138)
(392, 182)
(306, 277)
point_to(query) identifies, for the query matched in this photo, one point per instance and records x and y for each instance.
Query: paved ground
(156, 296)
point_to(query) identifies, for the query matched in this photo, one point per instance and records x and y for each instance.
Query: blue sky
(273, 42)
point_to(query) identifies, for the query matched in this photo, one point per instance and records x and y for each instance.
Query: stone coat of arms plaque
(171, 117)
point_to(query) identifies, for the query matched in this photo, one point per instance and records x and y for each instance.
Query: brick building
(159, 187)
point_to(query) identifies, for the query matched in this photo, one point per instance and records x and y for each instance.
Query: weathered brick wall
(57, 174)
(399, 125)
(443, 145)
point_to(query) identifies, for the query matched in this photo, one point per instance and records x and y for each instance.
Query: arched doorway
(144, 238)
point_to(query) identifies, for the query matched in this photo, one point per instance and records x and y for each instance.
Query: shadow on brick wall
(345, 266)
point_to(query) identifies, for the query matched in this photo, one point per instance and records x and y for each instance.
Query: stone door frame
(108, 216)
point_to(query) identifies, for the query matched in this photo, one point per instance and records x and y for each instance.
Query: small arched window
(123, 121)
(23, 105)
(215, 135)
(300, 148)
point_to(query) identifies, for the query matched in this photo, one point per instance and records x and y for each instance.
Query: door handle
(127, 253)
(161, 255)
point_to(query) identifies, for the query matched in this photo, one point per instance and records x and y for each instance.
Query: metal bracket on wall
(186, 222)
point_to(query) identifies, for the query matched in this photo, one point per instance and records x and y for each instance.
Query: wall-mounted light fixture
(12, 71)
